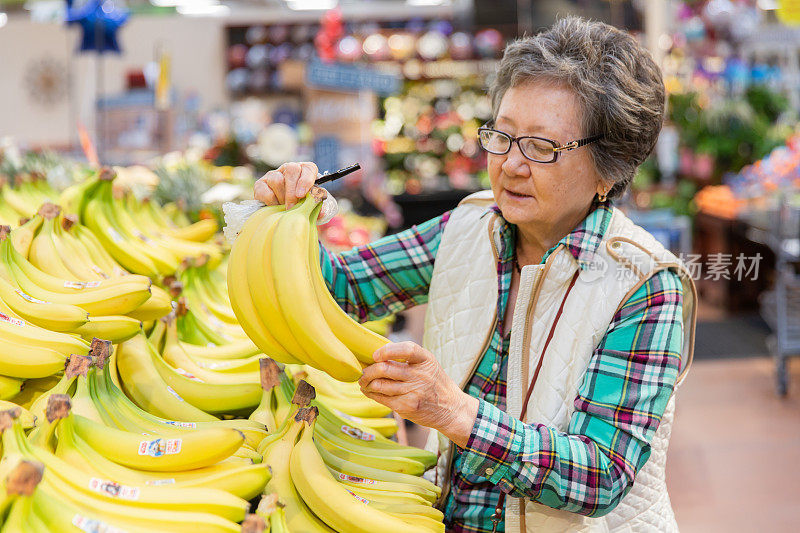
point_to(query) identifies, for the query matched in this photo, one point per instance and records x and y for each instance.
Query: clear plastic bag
(237, 213)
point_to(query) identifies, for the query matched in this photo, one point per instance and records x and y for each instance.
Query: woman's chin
(518, 210)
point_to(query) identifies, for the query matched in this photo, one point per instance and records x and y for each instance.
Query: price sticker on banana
(14, 321)
(114, 489)
(92, 525)
(357, 433)
(160, 447)
(354, 479)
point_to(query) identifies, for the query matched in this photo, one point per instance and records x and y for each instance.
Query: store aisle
(734, 460)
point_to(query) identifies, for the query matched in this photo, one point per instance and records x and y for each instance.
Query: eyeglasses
(536, 149)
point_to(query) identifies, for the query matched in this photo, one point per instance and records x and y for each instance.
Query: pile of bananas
(22, 200)
(177, 420)
(280, 298)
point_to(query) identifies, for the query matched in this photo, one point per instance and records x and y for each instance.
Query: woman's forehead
(540, 108)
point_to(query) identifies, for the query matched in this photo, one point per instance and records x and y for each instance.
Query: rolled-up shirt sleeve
(619, 405)
(386, 276)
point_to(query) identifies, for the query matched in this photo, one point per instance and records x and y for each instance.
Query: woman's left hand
(408, 379)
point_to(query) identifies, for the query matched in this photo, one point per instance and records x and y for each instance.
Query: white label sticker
(92, 525)
(213, 366)
(115, 236)
(160, 447)
(74, 285)
(189, 425)
(26, 296)
(354, 479)
(99, 271)
(157, 482)
(357, 433)
(9, 320)
(359, 498)
(92, 284)
(172, 391)
(345, 416)
(115, 490)
(186, 374)
(143, 237)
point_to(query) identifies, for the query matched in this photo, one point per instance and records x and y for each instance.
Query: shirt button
(495, 367)
(489, 471)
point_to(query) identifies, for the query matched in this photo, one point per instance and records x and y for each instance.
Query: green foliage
(183, 185)
(736, 132)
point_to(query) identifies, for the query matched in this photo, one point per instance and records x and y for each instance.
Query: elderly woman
(556, 329)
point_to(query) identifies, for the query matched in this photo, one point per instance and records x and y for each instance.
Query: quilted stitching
(457, 322)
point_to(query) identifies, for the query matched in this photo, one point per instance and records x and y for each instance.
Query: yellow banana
(233, 350)
(158, 305)
(10, 387)
(296, 298)
(22, 236)
(143, 383)
(159, 453)
(239, 479)
(43, 254)
(210, 397)
(252, 290)
(55, 317)
(330, 500)
(200, 231)
(360, 340)
(115, 328)
(277, 457)
(367, 472)
(107, 297)
(97, 252)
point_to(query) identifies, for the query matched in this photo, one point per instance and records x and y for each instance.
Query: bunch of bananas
(22, 200)
(65, 491)
(140, 241)
(332, 474)
(280, 298)
(178, 418)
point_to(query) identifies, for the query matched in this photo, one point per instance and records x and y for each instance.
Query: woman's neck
(535, 238)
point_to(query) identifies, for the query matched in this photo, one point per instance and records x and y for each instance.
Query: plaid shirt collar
(582, 242)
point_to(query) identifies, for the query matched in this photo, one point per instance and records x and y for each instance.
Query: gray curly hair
(616, 81)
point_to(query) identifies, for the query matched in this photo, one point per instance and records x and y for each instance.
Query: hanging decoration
(100, 21)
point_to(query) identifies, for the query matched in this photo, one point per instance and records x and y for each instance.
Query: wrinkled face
(536, 194)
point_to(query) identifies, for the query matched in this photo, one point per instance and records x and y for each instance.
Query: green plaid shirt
(618, 407)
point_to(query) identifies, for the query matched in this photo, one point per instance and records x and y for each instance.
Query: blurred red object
(327, 38)
(135, 79)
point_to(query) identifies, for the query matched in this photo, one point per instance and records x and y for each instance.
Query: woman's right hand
(287, 184)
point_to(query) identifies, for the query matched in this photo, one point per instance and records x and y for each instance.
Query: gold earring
(602, 198)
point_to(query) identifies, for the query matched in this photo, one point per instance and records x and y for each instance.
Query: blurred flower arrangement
(722, 136)
(427, 136)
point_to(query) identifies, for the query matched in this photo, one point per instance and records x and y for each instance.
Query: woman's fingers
(291, 174)
(308, 175)
(275, 182)
(408, 352)
(388, 370)
(263, 193)
(287, 184)
(385, 387)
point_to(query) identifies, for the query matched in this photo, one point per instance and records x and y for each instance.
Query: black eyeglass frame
(557, 148)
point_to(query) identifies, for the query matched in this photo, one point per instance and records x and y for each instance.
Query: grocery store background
(399, 87)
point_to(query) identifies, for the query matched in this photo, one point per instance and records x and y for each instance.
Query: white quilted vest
(462, 314)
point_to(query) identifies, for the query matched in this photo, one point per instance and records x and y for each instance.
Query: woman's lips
(518, 195)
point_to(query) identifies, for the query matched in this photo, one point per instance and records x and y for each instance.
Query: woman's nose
(516, 164)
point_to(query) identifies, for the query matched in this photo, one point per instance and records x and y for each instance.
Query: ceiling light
(311, 5)
(204, 10)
